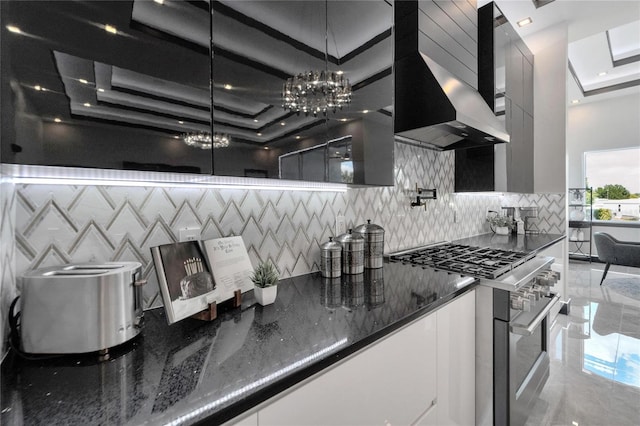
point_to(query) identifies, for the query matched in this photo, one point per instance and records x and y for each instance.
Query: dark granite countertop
(526, 243)
(193, 370)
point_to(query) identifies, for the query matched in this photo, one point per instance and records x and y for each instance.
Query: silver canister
(353, 291)
(373, 244)
(330, 259)
(374, 287)
(352, 252)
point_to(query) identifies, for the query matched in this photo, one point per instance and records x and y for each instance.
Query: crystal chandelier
(203, 140)
(314, 92)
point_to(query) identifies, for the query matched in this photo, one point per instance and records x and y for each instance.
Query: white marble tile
(595, 358)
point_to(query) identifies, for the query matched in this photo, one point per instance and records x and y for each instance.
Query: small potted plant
(265, 279)
(501, 225)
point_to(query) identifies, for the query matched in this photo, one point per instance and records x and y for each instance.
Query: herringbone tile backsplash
(57, 224)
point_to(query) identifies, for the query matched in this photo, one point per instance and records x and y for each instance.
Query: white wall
(550, 111)
(606, 124)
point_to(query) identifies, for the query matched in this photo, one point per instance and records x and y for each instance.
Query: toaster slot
(71, 272)
(93, 266)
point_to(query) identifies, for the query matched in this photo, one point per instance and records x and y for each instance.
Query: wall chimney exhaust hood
(437, 109)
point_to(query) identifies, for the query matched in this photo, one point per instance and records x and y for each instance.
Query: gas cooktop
(479, 262)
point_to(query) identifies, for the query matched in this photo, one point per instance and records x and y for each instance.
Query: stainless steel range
(512, 310)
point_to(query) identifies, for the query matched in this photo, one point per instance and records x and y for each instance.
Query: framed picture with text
(185, 281)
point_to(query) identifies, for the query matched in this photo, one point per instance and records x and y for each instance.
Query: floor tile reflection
(595, 353)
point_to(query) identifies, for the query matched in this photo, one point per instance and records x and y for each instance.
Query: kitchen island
(193, 370)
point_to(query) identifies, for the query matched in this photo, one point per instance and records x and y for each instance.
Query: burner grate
(480, 262)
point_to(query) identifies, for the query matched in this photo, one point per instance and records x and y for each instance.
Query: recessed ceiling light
(159, 1)
(339, 72)
(575, 101)
(110, 29)
(101, 90)
(259, 134)
(181, 122)
(176, 136)
(37, 87)
(282, 123)
(14, 29)
(228, 86)
(602, 73)
(365, 111)
(297, 137)
(83, 81)
(266, 147)
(525, 21)
(343, 119)
(57, 120)
(87, 104)
(255, 120)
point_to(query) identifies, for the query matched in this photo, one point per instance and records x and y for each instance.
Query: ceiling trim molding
(367, 81)
(127, 124)
(249, 62)
(575, 77)
(119, 89)
(623, 61)
(540, 3)
(366, 46)
(601, 90)
(151, 111)
(200, 4)
(626, 61)
(270, 31)
(241, 114)
(612, 88)
(154, 32)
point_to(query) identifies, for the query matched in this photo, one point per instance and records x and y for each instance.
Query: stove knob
(517, 302)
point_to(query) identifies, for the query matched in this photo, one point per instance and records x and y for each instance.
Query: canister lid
(369, 228)
(331, 246)
(350, 240)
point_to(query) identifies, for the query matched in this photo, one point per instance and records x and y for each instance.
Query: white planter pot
(266, 295)
(502, 230)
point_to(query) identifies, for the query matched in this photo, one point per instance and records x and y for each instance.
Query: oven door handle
(527, 330)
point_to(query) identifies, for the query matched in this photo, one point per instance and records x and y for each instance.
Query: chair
(612, 251)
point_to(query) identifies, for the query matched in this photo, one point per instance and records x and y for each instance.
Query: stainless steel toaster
(80, 308)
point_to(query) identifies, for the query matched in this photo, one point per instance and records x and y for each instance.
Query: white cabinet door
(430, 417)
(391, 383)
(251, 420)
(456, 361)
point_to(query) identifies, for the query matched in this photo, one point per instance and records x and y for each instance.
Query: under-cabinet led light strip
(267, 379)
(44, 175)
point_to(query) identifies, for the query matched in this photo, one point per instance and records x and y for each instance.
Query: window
(615, 178)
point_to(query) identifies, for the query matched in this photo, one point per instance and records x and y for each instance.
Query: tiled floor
(595, 353)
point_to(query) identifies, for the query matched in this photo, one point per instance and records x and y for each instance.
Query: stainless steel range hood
(437, 109)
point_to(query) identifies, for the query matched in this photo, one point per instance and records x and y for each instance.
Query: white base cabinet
(457, 362)
(423, 374)
(391, 383)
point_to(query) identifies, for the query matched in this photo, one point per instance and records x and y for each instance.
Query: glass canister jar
(331, 259)
(373, 236)
(352, 252)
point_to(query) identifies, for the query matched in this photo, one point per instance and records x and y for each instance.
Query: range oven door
(521, 361)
